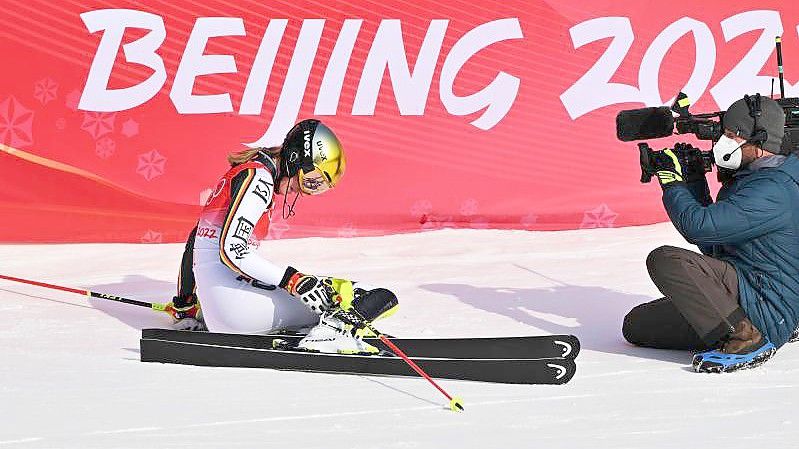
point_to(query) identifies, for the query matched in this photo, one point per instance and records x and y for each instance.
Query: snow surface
(70, 375)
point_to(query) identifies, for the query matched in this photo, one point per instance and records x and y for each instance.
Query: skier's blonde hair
(249, 154)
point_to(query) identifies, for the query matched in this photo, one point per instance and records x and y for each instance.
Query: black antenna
(779, 66)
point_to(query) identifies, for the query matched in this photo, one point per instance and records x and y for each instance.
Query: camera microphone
(644, 123)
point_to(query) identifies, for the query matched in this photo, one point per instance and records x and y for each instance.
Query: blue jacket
(754, 225)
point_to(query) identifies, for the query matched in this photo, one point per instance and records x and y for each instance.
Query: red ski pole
(152, 305)
(455, 402)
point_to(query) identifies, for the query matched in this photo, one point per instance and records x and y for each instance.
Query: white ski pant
(235, 306)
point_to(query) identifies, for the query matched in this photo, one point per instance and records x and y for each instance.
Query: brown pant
(700, 305)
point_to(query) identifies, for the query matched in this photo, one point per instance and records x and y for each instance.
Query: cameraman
(739, 300)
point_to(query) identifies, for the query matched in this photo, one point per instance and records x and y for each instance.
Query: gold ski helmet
(312, 151)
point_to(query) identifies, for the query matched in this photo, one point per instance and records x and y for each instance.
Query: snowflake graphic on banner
(600, 217)
(152, 237)
(45, 90)
(105, 147)
(72, 100)
(16, 123)
(130, 128)
(151, 165)
(98, 124)
(469, 207)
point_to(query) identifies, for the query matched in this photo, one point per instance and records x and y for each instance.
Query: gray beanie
(772, 119)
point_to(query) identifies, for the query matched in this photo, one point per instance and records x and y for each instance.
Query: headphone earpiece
(759, 134)
(759, 137)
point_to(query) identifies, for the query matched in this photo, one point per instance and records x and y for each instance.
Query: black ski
(536, 347)
(515, 371)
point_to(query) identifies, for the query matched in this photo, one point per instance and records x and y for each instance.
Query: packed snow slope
(70, 375)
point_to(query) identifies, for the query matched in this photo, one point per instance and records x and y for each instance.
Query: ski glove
(670, 173)
(318, 293)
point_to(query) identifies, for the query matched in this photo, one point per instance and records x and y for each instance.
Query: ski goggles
(314, 182)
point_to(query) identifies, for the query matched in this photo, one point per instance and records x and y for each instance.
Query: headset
(759, 134)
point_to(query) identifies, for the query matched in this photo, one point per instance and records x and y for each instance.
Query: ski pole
(160, 307)
(455, 402)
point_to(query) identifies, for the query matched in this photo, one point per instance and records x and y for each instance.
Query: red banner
(115, 117)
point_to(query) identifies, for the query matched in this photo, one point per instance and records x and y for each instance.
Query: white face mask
(730, 149)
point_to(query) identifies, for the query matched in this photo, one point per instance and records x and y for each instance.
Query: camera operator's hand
(670, 171)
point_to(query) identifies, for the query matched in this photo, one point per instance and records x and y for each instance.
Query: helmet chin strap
(288, 210)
